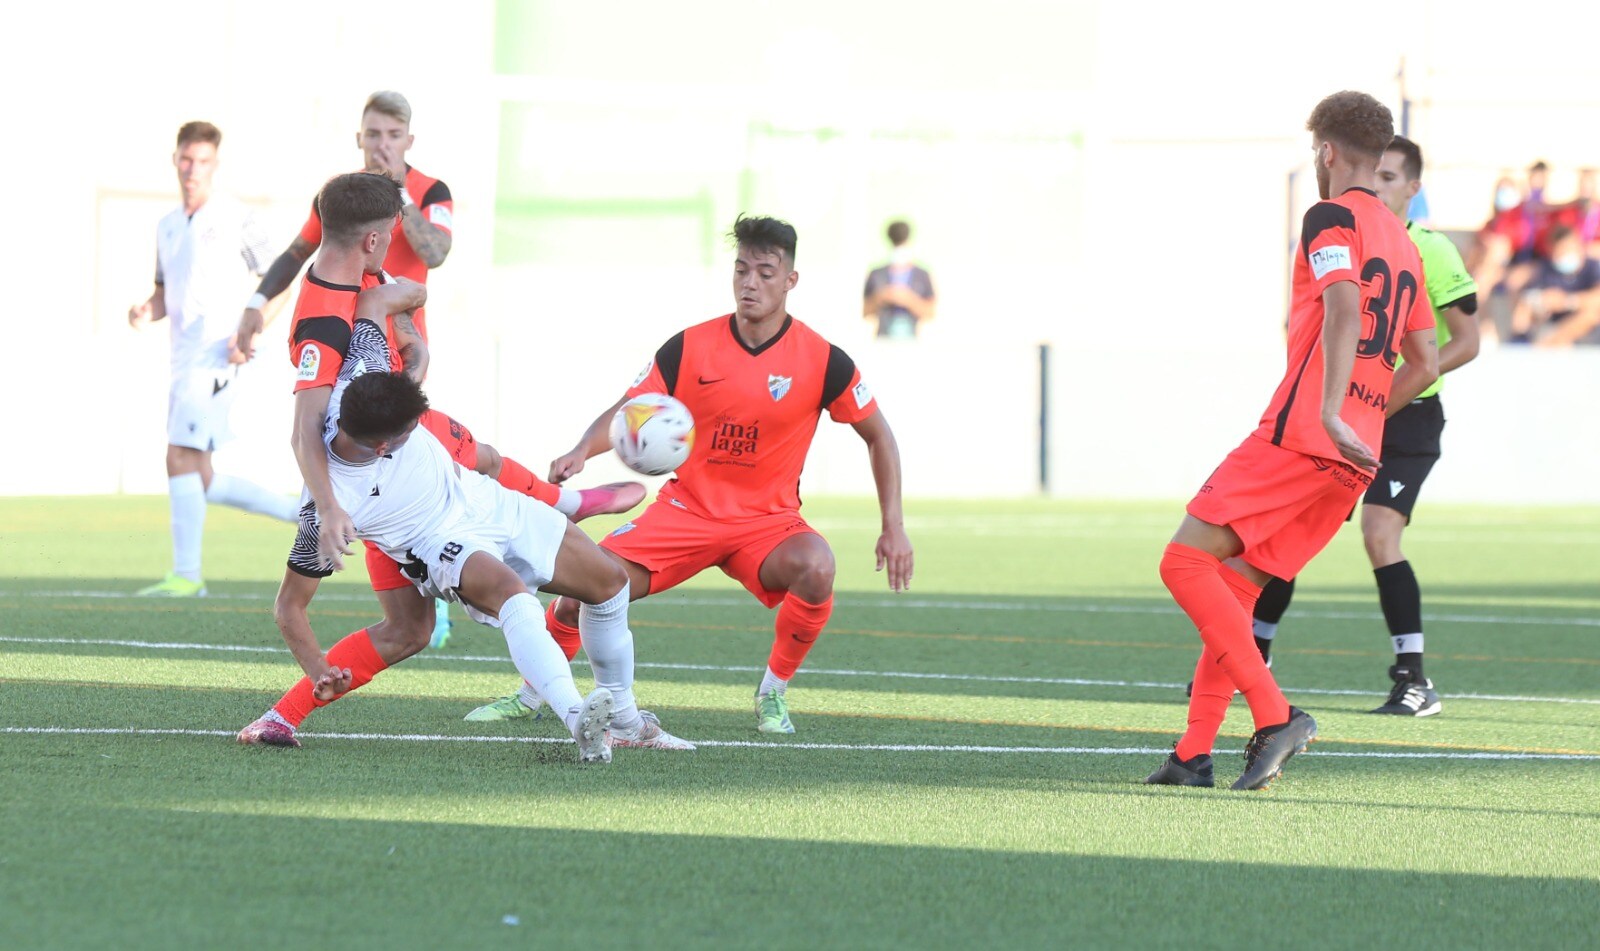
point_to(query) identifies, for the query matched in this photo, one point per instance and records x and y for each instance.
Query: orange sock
(516, 477)
(1211, 594)
(356, 652)
(565, 635)
(799, 622)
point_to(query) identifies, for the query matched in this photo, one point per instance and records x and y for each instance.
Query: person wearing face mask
(1561, 305)
(899, 295)
(1503, 253)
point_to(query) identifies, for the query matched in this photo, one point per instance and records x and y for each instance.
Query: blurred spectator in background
(1512, 247)
(1561, 304)
(899, 295)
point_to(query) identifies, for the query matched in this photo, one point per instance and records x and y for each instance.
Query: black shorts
(1410, 448)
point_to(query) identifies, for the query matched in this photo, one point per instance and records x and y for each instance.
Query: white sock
(772, 682)
(569, 502)
(188, 496)
(1406, 643)
(1264, 630)
(528, 696)
(276, 717)
(609, 644)
(244, 494)
(538, 659)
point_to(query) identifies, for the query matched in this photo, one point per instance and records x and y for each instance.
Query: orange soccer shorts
(383, 571)
(1284, 505)
(674, 545)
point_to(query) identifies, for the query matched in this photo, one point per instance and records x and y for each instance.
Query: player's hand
(567, 466)
(235, 355)
(251, 323)
(894, 551)
(334, 536)
(384, 165)
(139, 314)
(1349, 444)
(333, 682)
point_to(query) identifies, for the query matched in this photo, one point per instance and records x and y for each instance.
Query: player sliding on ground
(1278, 498)
(756, 380)
(461, 536)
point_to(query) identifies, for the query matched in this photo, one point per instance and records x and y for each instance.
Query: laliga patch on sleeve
(440, 215)
(651, 365)
(862, 394)
(310, 362)
(1325, 261)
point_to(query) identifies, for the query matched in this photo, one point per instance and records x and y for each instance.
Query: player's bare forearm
(285, 268)
(378, 302)
(1462, 347)
(294, 623)
(413, 350)
(1341, 331)
(595, 440)
(431, 242)
(310, 412)
(1417, 373)
(893, 550)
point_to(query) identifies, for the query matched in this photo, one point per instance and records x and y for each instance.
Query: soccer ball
(652, 434)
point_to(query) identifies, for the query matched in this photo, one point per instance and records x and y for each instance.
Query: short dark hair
(199, 132)
(899, 233)
(765, 234)
(350, 204)
(379, 406)
(1410, 156)
(1355, 121)
(1539, 166)
(1559, 234)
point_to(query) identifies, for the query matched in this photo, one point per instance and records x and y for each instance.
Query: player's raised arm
(399, 300)
(1341, 331)
(894, 546)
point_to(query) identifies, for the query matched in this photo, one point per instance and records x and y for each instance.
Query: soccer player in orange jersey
(421, 240)
(337, 336)
(1277, 499)
(756, 381)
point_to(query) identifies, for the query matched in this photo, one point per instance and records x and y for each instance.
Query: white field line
(810, 671)
(906, 603)
(756, 744)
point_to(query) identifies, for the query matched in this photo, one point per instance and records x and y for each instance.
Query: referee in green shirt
(1410, 448)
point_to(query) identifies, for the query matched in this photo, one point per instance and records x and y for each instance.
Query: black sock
(1274, 600)
(1264, 645)
(1401, 600)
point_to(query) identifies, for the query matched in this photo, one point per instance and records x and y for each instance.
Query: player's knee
(813, 575)
(488, 460)
(566, 611)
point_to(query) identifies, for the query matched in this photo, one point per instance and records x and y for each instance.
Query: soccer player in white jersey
(461, 536)
(205, 249)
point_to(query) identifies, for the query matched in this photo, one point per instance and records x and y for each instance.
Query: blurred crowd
(1537, 262)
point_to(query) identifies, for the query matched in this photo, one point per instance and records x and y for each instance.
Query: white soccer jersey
(198, 262)
(429, 514)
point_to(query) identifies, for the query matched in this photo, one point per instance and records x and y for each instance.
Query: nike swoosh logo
(706, 382)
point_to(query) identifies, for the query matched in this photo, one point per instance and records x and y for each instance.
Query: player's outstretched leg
(609, 644)
(544, 667)
(246, 495)
(575, 504)
(525, 702)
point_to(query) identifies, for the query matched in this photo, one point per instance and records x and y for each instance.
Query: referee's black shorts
(1410, 448)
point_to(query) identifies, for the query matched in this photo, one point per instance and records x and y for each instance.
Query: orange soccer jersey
(432, 198)
(755, 412)
(1353, 237)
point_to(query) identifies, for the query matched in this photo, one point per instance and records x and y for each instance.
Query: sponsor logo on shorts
(1343, 473)
(778, 386)
(1395, 488)
(1325, 261)
(624, 529)
(862, 394)
(310, 362)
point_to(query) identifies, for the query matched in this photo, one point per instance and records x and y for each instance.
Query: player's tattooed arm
(413, 350)
(431, 242)
(397, 303)
(894, 545)
(277, 280)
(291, 612)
